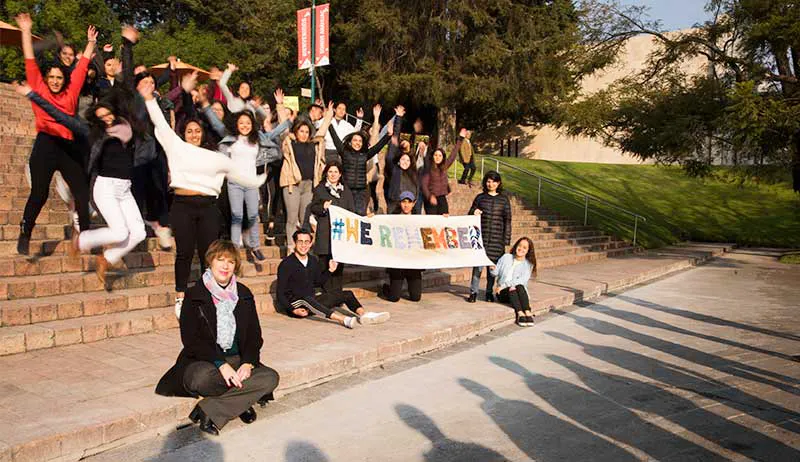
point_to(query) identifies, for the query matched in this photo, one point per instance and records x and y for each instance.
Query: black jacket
(322, 244)
(354, 162)
(296, 281)
(198, 326)
(495, 223)
(395, 174)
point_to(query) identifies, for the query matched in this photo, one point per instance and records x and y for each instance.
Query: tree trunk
(446, 126)
(796, 164)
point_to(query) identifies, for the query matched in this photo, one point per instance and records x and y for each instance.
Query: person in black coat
(221, 336)
(355, 154)
(494, 208)
(332, 192)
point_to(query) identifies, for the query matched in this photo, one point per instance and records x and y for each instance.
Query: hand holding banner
(407, 241)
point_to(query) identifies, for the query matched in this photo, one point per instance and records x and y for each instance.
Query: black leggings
(50, 154)
(440, 208)
(517, 298)
(271, 193)
(151, 189)
(396, 277)
(324, 303)
(195, 225)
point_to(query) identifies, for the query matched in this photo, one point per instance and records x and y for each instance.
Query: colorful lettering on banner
(407, 241)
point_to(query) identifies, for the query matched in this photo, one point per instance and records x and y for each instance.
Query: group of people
(198, 162)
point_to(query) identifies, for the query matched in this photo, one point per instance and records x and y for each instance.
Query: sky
(674, 14)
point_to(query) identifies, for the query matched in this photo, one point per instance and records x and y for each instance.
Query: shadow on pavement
(444, 449)
(741, 370)
(302, 451)
(706, 318)
(543, 436)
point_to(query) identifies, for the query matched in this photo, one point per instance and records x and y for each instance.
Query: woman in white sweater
(513, 271)
(196, 176)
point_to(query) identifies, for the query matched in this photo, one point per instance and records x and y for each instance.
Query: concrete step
(158, 314)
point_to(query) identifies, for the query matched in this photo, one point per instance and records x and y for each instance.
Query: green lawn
(791, 259)
(676, 206)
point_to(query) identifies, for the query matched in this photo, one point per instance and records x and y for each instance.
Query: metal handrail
(586, 196)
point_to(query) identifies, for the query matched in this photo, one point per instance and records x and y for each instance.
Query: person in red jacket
(434, 181)
(54, 148)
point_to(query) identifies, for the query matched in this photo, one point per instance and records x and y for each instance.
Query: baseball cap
(407, 195)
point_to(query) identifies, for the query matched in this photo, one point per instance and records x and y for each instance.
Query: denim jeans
(238, 197)
(476, 280)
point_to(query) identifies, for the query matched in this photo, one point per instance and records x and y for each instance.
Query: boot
(23, 241)
(100, 268)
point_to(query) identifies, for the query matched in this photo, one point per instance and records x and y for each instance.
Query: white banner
(407, 241)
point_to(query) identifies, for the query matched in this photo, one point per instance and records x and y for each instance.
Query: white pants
(125, 229)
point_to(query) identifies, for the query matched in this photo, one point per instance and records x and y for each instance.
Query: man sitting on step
(300, 279)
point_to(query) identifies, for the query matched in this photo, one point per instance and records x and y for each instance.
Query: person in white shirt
(196, 176)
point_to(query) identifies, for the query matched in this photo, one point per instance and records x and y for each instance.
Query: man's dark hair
(301, 231)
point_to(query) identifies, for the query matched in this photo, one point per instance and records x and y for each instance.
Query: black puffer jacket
(322, 244)
(495, 223)
(354, 162)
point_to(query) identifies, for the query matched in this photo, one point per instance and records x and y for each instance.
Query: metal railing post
(586, 210)
(539, 194)
(483, 159)
(497, 166)
(635, 228)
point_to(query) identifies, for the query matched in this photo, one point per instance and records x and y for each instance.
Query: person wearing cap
(413, 277)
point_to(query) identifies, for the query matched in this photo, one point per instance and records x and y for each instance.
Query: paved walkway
(697, 366)
(74, 401)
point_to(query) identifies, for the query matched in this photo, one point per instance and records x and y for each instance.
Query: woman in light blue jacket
(513, 271)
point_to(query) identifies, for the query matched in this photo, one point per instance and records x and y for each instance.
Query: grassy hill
(677, 207)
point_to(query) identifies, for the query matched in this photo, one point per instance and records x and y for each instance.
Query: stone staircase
(50, 299)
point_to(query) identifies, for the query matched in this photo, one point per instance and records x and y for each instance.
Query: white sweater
(244, 154)
(194, 168)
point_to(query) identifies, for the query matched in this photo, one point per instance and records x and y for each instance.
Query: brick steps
(158, 314)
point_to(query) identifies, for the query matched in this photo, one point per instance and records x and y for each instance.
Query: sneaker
(178, 306)
(371, 317)
(350, 322)
(164, 235)
(271, 233)
(473, 296)
(521, 321)
(76, 224)
(528, 321)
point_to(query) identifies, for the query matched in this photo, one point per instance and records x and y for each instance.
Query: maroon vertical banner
(322, 54)
(304, 38)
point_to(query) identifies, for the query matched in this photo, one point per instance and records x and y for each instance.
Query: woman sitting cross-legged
(222, 340)
(513, 271)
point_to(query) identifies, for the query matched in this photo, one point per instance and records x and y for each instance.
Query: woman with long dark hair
(494, 208)
(513, 271)
(243, 149)
(54, 148)
(401, 169)
(110, 168)
(220, 361)
(435, 186)
(303, 162)
(196, 176)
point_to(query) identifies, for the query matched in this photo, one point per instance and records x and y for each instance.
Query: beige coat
(290, 171)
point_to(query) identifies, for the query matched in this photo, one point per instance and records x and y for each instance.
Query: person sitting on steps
(221, 336)
(513, 271)
(300, 274)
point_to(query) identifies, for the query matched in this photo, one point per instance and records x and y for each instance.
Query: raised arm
(166, 76)
(223, 83)
(164, 132)
(376, 148)
(456, 149)
(130, 36)
(394, 146)
(336, 141)
(326, 122)
(208, 113)
(77, 126)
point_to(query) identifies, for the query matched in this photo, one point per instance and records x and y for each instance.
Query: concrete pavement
(701, 365)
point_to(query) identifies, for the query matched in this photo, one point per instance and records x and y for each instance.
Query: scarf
(335, 190)
(225, 301)
(122, 131)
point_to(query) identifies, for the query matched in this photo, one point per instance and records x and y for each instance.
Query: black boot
(23, 241)
(473, 296)
(490, 297)
(206, 424)
(249, 416)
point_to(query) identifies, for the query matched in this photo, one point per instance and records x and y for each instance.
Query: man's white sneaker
(178, 306)
(350, 322)
(371, 317)
(164, 235)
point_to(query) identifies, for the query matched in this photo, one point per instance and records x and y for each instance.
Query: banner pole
(313, 49)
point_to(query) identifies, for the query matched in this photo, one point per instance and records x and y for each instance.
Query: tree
(748, 103)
